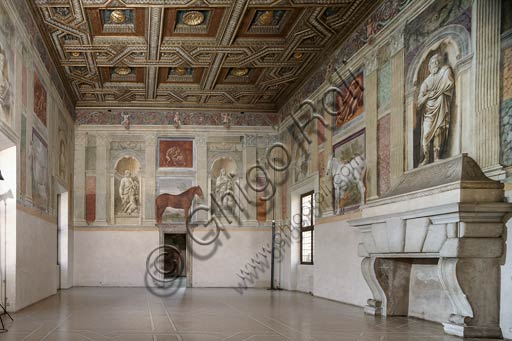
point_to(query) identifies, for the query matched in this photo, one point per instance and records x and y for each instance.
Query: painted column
(79, 178)
(370, 100)
(102, 146)
(249, 161)
(397, 106)
(202, 171)
(486, 22)
(149, 181)
(30, 124)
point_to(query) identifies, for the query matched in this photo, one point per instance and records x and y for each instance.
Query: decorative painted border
(88, 117)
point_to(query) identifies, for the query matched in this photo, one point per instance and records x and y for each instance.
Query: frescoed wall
(390, 53)
(35, 117)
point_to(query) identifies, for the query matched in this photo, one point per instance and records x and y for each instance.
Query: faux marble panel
(284, 196)
(23, 155)
(320, 130)
(384, 86)
(507, 73)
(506, 132)
(383, 154)
(261, 204)
(24, 85)
(90, 199)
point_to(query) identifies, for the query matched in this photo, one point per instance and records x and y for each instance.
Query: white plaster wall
(8, 223)
(218, 265)
(286, 274)
(305, 277)
(337, 269)
(112, 258)
(506, 286)
(36, 259)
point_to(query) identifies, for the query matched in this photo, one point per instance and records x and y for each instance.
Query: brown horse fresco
(182, 200)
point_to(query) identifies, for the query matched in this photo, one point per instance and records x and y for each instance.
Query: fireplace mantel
(451, 213)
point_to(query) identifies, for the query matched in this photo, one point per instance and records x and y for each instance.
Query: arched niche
(223, 176)
(452, 44)
(126, 191)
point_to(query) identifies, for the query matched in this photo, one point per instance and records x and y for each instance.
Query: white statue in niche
(4, 86)
(128, 191)
(62, 158)
(435, 97)
(224, 187)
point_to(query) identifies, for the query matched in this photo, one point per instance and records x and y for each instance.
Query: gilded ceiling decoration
(246, 55)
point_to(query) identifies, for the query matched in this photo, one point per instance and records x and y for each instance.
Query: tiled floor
(134, 314)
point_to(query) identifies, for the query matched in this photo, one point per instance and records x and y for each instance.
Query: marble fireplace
(432, 247)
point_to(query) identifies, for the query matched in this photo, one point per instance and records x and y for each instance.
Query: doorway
(171, 259)
(8, 190)
(64, 280)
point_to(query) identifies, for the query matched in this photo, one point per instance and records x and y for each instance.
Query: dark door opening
(172, 259)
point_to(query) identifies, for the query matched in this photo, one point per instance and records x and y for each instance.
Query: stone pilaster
(486, 21)
(397, 107)
(370, 100)
(102, 147)
(149, 183)
(79, 178)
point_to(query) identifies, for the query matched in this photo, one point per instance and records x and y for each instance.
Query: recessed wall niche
(126, 190)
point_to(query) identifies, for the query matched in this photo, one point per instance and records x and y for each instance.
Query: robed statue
(435, 99)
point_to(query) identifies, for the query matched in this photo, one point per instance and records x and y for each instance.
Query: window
(306, 228)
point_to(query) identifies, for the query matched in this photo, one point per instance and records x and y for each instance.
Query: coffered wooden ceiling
(246, 55)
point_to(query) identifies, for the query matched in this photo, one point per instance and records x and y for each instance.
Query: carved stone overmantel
(450, 214)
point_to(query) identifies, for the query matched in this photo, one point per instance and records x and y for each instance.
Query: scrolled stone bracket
(472, 314)
(374, 305)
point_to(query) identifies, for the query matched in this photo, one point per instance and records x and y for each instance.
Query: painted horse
(182, 201)
(344, 174)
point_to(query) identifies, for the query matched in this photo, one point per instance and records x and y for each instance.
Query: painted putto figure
(435, 96)
(128, 191)
(224, 187)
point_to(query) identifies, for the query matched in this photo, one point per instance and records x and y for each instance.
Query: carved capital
(250, 140)
(102, 139)
(397, 41)
(80, 139)
(201, 140)
(150, 140)
(370, 63)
